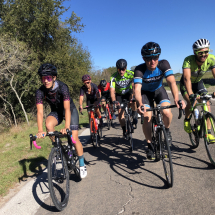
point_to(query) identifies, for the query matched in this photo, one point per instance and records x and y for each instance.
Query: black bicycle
(128, 122)
(62, 159)
(160, 144)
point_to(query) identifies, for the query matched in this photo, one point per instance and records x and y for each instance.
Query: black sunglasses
(151, 58)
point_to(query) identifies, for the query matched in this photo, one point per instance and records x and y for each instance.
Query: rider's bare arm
(40, 117)
(112, 94)
(173, 86)
(67, 114)
(187, 80)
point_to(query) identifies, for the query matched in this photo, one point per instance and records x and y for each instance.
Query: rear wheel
(58, 179)
(210, 141)
(166, 157)
(194, 136)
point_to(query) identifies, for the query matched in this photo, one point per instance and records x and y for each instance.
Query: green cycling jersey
(122, 84)
(197, 73)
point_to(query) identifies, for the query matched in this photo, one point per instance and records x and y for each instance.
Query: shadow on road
(115, 151)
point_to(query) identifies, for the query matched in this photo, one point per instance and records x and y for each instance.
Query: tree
(14, 71)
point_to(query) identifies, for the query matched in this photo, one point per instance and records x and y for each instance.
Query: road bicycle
(128, 122)
(109, 114)
(199, 126)
(95, 126)
(62, 159)
(160, 143)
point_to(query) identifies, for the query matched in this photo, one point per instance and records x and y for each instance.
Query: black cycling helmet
(150, 49)
(47, 69)
(103, 83)
(121, 64)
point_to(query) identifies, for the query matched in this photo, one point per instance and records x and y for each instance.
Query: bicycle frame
(203, 113)
(108, 108)
(94, 121)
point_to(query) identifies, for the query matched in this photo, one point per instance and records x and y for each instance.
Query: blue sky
(119, 28)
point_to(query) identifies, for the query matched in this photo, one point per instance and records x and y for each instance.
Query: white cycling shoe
(83, 171)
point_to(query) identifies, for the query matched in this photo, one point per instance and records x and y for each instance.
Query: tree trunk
(14, 116)
(11, 84)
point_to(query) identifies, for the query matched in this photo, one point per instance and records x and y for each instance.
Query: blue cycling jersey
(152, 80)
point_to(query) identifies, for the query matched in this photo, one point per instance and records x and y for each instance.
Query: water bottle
(196, 114)
(69, 153)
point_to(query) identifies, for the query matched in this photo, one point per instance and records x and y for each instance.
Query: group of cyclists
(141, 87)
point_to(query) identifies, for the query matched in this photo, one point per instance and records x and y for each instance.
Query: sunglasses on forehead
(48, 78)
(200, 53)
(151, 58)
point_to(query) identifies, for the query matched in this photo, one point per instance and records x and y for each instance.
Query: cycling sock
(81, 160)
(209, 131)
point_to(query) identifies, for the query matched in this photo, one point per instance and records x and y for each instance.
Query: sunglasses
(119, 70)
(86, 83)
(200, 53)
(151, 58)
(48, 78)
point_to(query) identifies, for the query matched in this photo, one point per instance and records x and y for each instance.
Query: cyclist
(194, 67)
(148, 86)
(56, 94)
(92, 94)
(104, 91)
(121, 84)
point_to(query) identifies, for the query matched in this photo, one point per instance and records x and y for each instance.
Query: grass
(18, 162)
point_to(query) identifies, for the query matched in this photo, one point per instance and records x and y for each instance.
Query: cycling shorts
(120, 98)
(105, 98)
(197, 88)
(60, 116)
(159, 96)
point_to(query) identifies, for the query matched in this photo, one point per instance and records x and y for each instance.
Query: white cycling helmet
(201, 44)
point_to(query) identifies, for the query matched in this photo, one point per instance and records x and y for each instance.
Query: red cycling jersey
(107, 88)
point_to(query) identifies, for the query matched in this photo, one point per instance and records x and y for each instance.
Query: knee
(49, 126)
(167, 113)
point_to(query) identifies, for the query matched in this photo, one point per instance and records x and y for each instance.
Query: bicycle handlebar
(165, 107)
(49, 134)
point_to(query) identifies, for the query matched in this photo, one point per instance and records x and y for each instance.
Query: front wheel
(209, 139)
(194, 136)
(58, 179)
(108, 119)
(130, 136)
(166, 156)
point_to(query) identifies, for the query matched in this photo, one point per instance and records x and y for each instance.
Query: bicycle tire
(91, 131)
(155, 141)
(130, 136)
(194, 136)
(58, 179)
(108, 119)
(166, 156)
(210, 147)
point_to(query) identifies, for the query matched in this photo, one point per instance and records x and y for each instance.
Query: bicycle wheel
(92, 133)
(155, 139)
(166, 156)
(108, 119)
(130, 136)
(210, 145)
(58, 179)
(194, 136)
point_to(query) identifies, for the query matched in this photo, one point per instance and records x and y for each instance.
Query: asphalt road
(121, 182)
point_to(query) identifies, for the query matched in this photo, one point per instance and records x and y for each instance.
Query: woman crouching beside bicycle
(56, 93)
(92, 94)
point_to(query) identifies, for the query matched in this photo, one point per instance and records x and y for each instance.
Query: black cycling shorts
(159, 96)
(197, 88)
(74, 123)
(120, 98)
